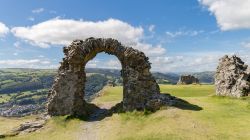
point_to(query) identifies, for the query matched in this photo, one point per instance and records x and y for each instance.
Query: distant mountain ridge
(204, 77)
(15, 79)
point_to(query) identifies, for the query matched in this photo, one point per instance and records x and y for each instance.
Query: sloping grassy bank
(221, 118)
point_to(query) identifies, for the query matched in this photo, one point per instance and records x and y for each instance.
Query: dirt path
(91, 128)
(90, 131)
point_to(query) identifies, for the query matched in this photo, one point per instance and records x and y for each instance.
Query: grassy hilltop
(220, 118)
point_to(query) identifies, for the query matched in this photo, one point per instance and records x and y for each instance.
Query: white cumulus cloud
(230, 14)
(3, 29)
(63, 31)
(113, 64)
(107, 64)
(149, 49)
(25, 63)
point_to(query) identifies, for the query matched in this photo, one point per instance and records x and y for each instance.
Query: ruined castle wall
(232, 77)
(187, 79)
(140, 88)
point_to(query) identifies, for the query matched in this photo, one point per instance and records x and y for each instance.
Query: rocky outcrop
(232, 77)
(28, 127)
(140, 88)
(187, 79)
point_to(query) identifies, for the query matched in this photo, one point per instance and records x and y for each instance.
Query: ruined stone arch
(140, 90)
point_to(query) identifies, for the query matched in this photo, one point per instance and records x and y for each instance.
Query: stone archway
(140, 90)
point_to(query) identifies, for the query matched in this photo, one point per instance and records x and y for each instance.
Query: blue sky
(177, 35)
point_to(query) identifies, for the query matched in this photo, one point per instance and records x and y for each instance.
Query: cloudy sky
(176, 35)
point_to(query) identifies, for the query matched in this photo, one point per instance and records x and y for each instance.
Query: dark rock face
(139, 86)
(187, 79)
(232, 77)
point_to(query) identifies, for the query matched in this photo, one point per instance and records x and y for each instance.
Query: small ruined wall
(187, 79)
(232, 77)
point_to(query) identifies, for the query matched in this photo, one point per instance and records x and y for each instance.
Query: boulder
(28, 127)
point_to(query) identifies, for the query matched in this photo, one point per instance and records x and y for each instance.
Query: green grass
(57, 128)
(188, 90)
(6, 81)
(36, 94)
(221, 118)
(7, 124)
(110, 94)
(4, 98)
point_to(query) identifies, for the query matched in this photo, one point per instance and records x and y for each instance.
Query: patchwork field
(219, 118)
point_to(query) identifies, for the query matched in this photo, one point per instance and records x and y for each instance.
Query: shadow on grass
(185, 105)
(95, 113)
(180, 103)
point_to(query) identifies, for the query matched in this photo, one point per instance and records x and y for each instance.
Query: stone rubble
(28, 127)
(232, 77)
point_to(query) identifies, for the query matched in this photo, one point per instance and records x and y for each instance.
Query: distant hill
(108, 72)
(171, 77)
(18, 80)
(24, 91)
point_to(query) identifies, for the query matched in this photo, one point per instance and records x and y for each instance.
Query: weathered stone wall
(187, 79)
(140, 89)
(232, 77)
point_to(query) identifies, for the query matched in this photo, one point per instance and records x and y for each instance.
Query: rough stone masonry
(140, 90)
(232, 77)
(187, 79)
